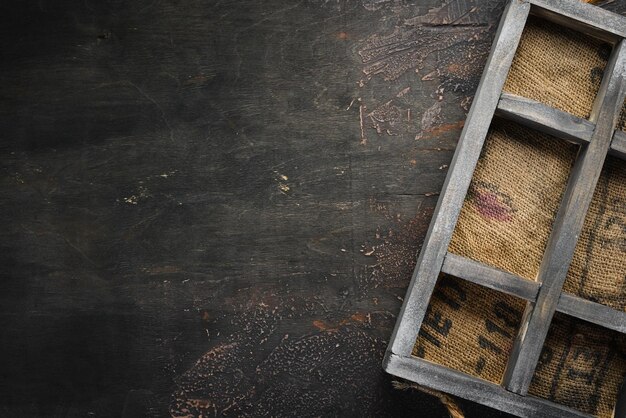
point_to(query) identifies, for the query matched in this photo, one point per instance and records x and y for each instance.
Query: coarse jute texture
(513, 198)
(557, 66)
(469, 328)
(581, 366)
(598, 270)
(506, 221)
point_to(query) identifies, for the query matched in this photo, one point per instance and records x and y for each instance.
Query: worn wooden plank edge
(505, 282)
(459, 177)
(583, 17)
(490, 277)
(618, 145)
(567, 227)
(554, 122)
(592, 312)
(511, 284)
(442, 378)
(544, 118)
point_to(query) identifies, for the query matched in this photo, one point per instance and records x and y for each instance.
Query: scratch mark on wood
(363, 137)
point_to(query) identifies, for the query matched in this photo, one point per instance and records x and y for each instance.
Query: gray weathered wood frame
(597, 138)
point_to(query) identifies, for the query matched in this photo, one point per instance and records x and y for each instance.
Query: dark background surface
(213, 207)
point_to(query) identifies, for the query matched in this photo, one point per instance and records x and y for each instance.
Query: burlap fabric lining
(598, 270)
(506, 221)
(514, 196)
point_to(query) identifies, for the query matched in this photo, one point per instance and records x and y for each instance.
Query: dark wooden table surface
(213, 207)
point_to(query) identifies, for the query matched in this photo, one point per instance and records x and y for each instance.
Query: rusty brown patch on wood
(322, 325)
(359, 317)
(355, 318)
(441, 129)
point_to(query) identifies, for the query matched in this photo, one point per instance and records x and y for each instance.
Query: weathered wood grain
(191, 224)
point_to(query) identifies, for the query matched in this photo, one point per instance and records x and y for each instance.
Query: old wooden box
(597, 137)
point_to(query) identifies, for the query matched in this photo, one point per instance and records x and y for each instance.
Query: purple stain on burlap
(492, 204)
